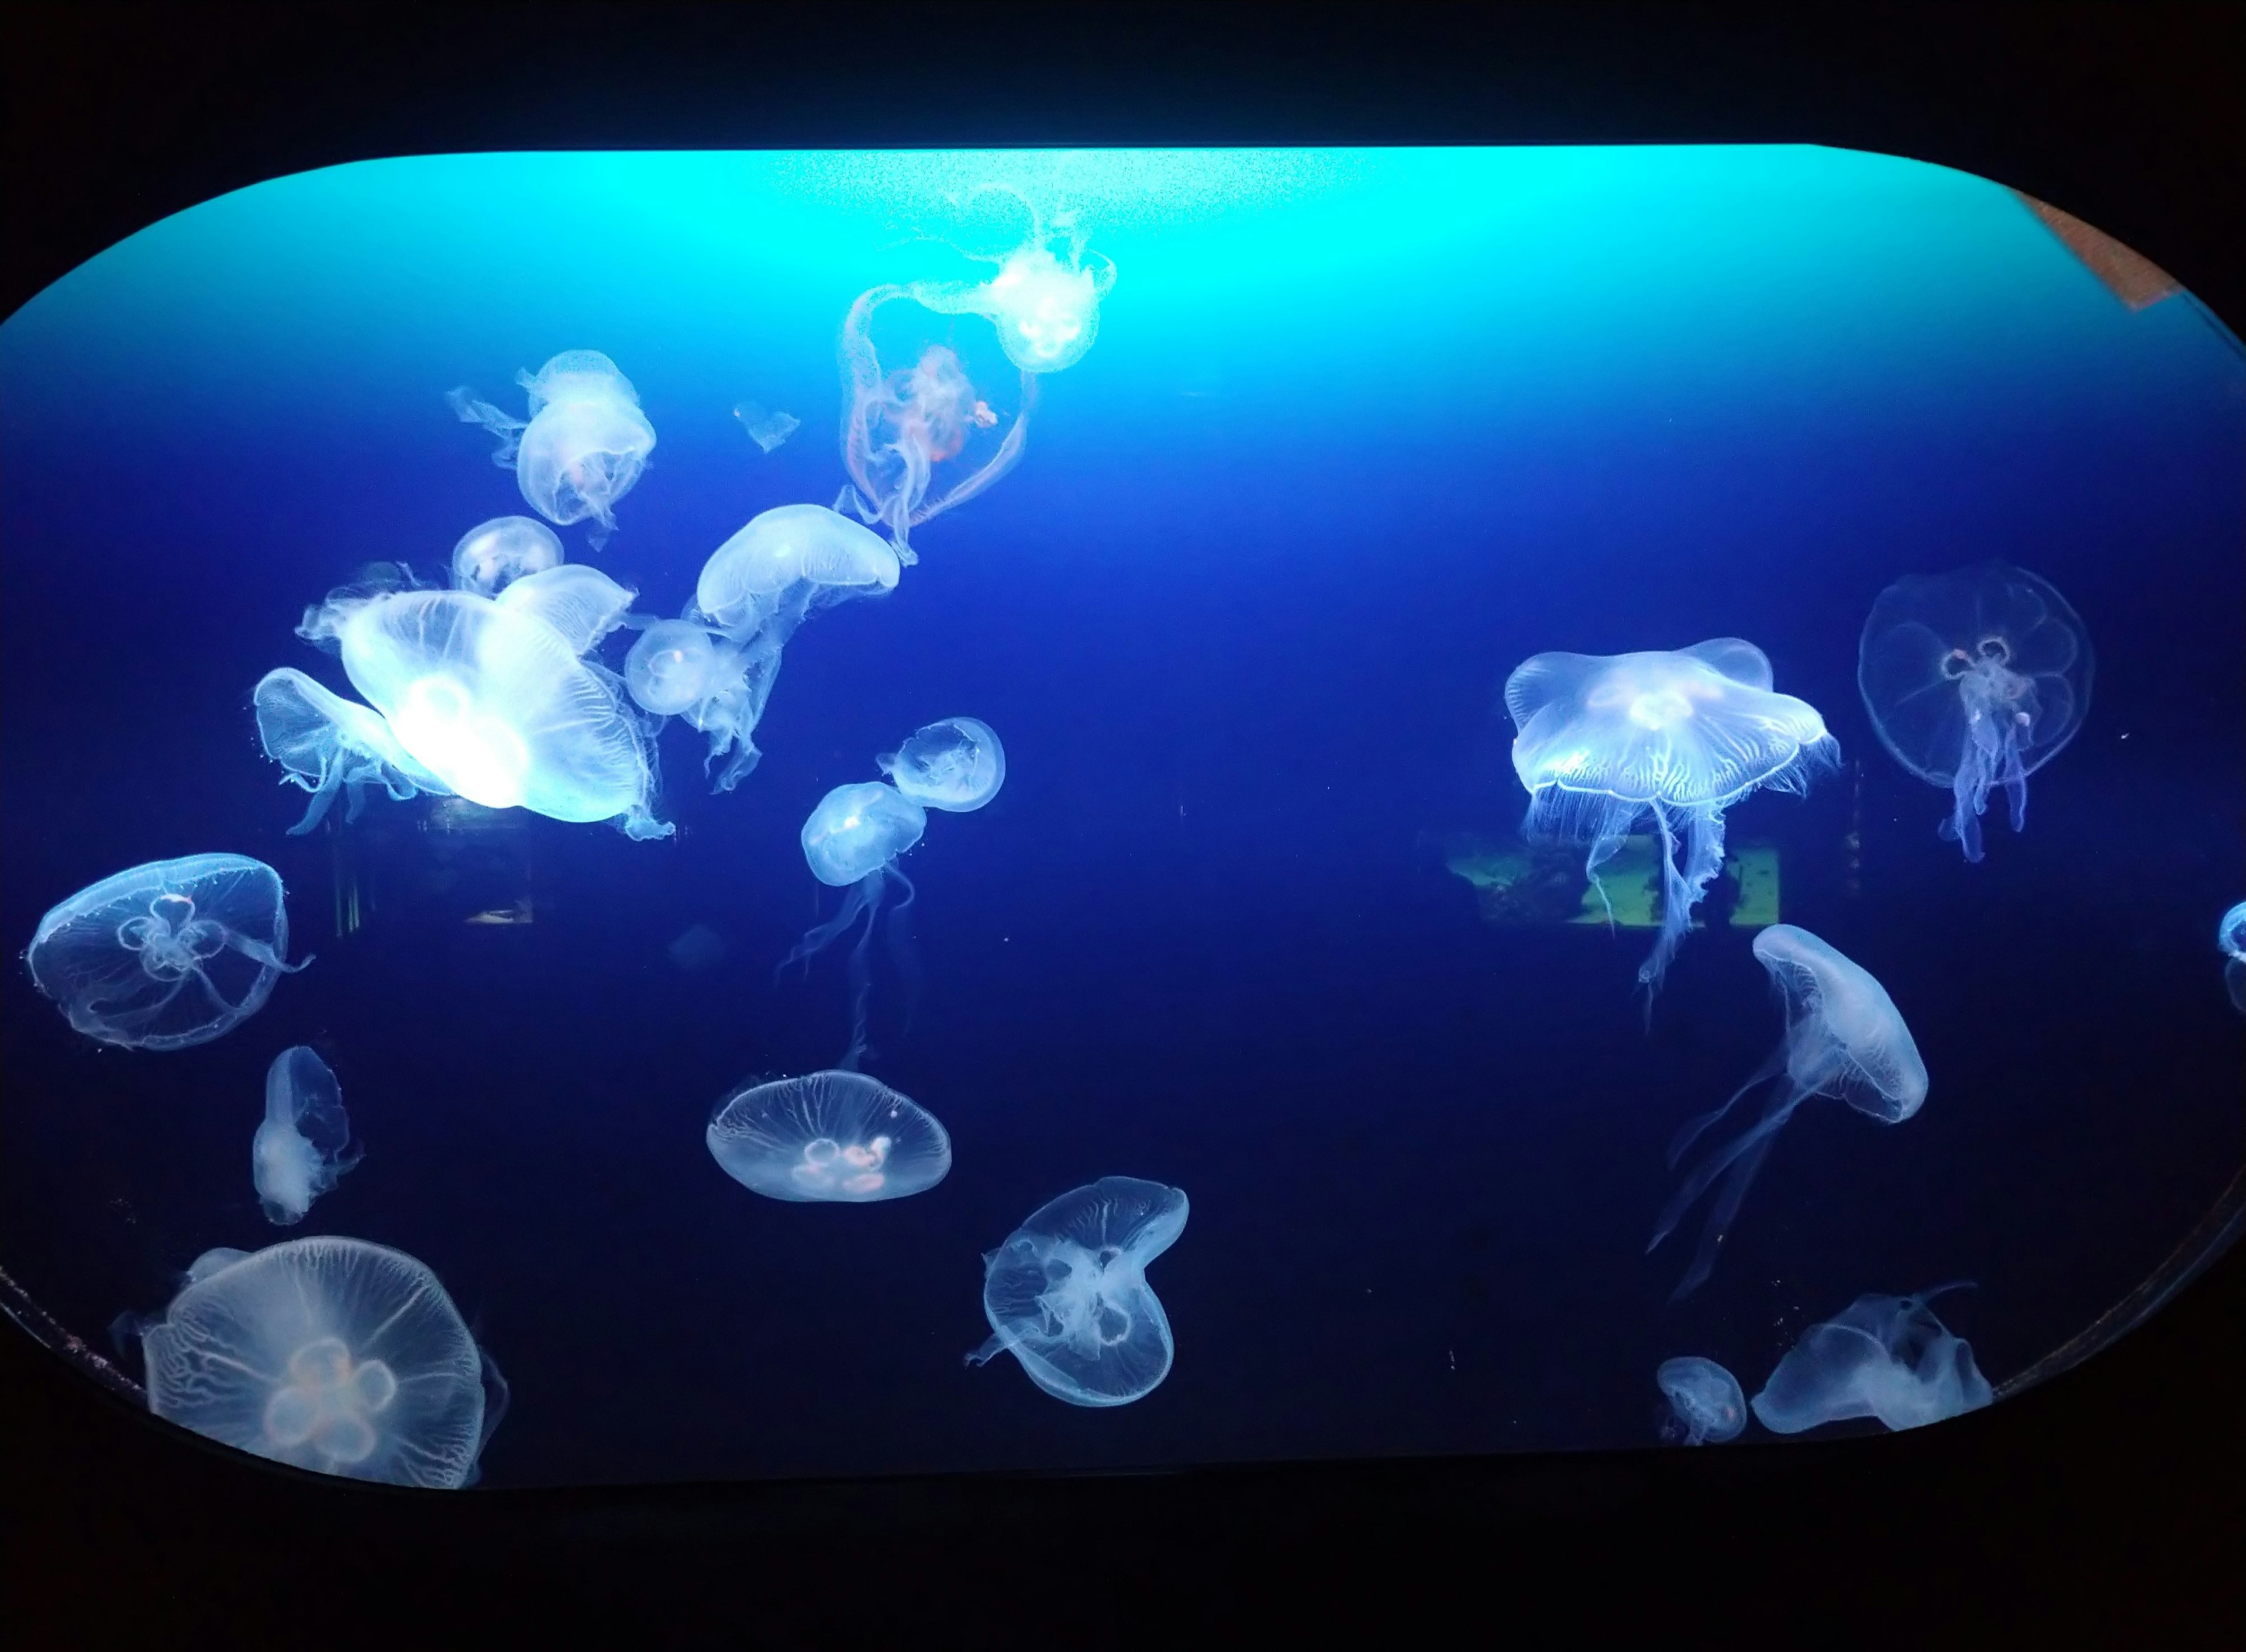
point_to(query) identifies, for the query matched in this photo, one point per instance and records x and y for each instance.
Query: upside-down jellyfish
(852, 840)
(327, 743)
(304, 1144)
(828, 1137)
(1067, 1295)
(584, 444)
(168, 955)
(1046, 309)
(956, 765)
(332, 1355)
(1974, 679)
(1883, 1357)
(493, 555)
(581, 603)
(1604, 740)
(1844, 1038)
(1705, 1401)
(679, 669)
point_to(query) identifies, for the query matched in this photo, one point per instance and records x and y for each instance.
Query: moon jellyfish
(327, 743)
(493, 555)
(2230, 936)
(1974, 679)
(1705, 1401)
(828, 1137)
(956, 765)
(1883, 1357)
(1844, 1038)
(766, 428)
(168, 955)
(304, 1144)
(783, 563)
(852, 840)
(331, 1355)
(584, 444)
(679, 669)
(1603, 741)
(1067, 1295)
(1046, 309)
(581, 603)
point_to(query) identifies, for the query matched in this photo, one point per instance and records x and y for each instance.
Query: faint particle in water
(582, 447)
(328, 744)
(303, 1145)
(1844, 1038)
(1067, 1294)
(2230, 936)
(955, 765)
(166, 955)
(330, 1353)
(1705, 1401)
(852, 841)
(1883, 1357)
(1974, 679)
(766, 428)
(1604, 741)
(492, 556)
(698, 948)
(1045, 307)
(828, 1137)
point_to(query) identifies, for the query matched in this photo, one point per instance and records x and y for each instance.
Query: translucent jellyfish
(168, 955)
(2230, 936)
(304, 1144)
(328, 1354)
(1705, 1401)
(1067, 1295)
(1974, 679)
(327, 743)
(1045, 307)
(956, 765)
(1844, 1038)
(852, 840)
(1883, 1357)
(584, 445)
(769, 576)
(828, 1137)
(581, 603)
(493, 555)
(679, 669)
(1604, 741)
(495, 704)
(766, 428)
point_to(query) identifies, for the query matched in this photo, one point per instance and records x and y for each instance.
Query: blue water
(1361, 431)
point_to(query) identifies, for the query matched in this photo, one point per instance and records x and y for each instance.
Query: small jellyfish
(1844, 1038)
(1045, 307)
(956, 765)
(1705, 1401)
(837, 1138)
(327, 743)
(493, 555)
(1604, 741)
(2230, 936)
(1883, 1357)
(168, 955)
(852, 840)
(766, 428)
(1974, 679)
(581, 603)
(680, 669)
(584, 444)
(1067, 1295)
(304, 1144)
(767, 578)
(328, 1354)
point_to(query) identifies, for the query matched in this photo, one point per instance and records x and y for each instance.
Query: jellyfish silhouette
(1067, 1295)
(584, 444)
(1705, 1401)
(1604, 741)
(493, 555)
(836, 1138)
(1883, 1357)
(330, 1353)
(304, 1144)
(1974, 679)
(1045, 307)
(956, 765)
(326, 744)
(852, 841)
(168, 955)
(583, 603)
(2230, 936)
(1844, 1038)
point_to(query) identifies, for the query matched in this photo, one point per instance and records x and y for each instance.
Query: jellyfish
(581, 603)
(493, 555)
(956, 765)
(838, 1138)
(2230, 936)
(328, 1354)
(767, 578)
(584, 445)
(168, 955)
(767, 427)
(852, 840)
(1045, 308)
(1844, 1038)
(1604, 740)
(1883, 1357)
(327, 743)
(1974, 679)
(304, 1144)
(1705, 1401)
(1067, 1295)
(679, 669)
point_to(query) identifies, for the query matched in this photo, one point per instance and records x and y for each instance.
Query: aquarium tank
(746, 815)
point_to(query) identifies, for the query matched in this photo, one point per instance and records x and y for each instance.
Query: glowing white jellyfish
(1844, 1038)
(332, 1355)
(493, 555)
(784, 562)
(1045, 306)
(955, 765)
(583, 603)
(168, 955)
(1974, 679)
(1067, 1295)
(2230, 936)
(852, 841)
(328, 744)
(584, 444)
(304, 1144)
(836, 1138)
(719, 686)
(1705, 1402)
(1883, 1357)
(1604, 741)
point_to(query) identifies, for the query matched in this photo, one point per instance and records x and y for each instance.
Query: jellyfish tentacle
(1720, 1215)
(901, 952)
(1714, 1166)
(1773, 1064)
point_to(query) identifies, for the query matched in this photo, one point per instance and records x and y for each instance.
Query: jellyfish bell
(786, 562)
(955, 765)
(1046, 311)
(584, 444)
(327, 744)
(580, 602)
(493, 555)
(1887, 1358)
(1704, 1400)
(852, 841)
(303, 1145)
(832, 1137)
